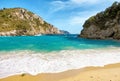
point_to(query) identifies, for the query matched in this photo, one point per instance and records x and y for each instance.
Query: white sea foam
(38, 35)
(33, 63)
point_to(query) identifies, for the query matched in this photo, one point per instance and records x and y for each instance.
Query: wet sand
(107, 73)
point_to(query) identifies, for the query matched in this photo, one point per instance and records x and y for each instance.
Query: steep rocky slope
(19, 21)
(103, 25)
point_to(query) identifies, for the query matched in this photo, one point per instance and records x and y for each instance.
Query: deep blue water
(47, 43)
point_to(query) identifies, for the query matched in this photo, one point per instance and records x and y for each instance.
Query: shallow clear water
(48, 43)
(54, 53)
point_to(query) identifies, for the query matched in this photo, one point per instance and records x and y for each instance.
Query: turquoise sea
(49, 43)
(54, 53)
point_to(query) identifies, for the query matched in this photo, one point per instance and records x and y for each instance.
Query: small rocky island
(104, 25)
(64, 32)
(19, 21)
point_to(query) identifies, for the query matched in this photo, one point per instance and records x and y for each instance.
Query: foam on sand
(19, 62)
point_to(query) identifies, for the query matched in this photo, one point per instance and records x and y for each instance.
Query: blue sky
(67, 15)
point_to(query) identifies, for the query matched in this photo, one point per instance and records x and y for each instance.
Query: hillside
(19, 21)
(104, 25)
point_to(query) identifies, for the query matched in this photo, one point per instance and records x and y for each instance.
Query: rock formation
(104, 25)
(64, 32)
(19, 21)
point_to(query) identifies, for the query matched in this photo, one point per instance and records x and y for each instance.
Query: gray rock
(104, 25)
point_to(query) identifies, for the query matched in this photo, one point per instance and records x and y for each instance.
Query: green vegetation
(9, 21)
(25, 22)
(108, 15)
(104, 25)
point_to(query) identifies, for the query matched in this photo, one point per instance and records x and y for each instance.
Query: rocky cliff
(19, 21)
(103, 25)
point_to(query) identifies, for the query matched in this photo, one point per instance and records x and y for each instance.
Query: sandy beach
(60, 40)
(106, 73)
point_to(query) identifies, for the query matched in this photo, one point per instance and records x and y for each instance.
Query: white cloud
(57, 5)
(80, 17)
(84, 1)
(70, 4)
(77, 20)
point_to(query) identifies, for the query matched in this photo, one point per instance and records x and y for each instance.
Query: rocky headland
(19, 21)
(104, 25)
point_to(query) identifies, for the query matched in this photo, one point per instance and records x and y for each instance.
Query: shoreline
(111, 71)
(55, 62)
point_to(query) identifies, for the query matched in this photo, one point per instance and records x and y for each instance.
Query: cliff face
(19, 21)
(103, 25)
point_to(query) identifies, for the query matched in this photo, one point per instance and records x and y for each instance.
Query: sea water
(49, 43)
(54, 53)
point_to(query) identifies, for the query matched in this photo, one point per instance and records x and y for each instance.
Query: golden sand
(107, 73)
